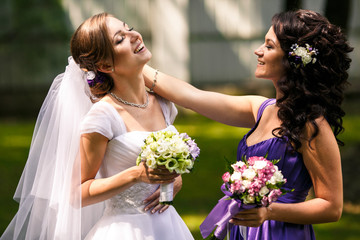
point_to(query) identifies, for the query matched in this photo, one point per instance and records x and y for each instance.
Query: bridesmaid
(306, 58)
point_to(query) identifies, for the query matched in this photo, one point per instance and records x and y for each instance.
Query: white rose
(240, 164)
(235, 176)
(249, 199)
(249, 174)
(246, 183)
(278, 176)
(259, 164)
(263, 191)
(272, 180)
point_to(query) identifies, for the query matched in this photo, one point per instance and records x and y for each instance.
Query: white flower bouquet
(177, 152)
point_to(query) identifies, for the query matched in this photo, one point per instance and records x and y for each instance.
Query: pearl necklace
(130, 103)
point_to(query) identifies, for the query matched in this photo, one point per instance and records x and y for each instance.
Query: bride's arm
(323, 163)
(92, 151)
(237, 111)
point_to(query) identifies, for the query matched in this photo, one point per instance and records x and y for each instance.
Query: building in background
(206, 42)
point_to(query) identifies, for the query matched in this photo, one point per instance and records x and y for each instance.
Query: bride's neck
(130, 88)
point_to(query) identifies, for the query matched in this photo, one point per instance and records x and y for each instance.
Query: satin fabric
(298, 178)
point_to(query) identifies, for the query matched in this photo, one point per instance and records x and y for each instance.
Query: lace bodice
(120, 155)
(130, 201)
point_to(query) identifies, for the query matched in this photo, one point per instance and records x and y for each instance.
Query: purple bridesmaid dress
(298, 178)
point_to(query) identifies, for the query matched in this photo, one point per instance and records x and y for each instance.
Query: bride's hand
(152, 202)
(158, 175)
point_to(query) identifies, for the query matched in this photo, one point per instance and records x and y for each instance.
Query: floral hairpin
(302, 55)
(93, 79)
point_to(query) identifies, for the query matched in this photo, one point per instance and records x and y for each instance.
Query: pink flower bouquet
(253, 182)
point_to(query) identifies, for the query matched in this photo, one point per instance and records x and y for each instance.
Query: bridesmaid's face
(130, 50)
(270, 57)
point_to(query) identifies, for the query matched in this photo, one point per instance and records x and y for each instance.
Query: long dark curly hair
(315, 90)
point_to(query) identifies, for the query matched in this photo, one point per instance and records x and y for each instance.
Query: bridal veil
(49, 193)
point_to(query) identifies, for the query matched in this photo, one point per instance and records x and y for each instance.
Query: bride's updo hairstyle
(316, 89)
(91, 48)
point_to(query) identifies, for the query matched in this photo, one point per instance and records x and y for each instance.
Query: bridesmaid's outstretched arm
(237, 111)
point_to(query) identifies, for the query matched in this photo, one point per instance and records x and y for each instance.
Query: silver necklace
(130, 103)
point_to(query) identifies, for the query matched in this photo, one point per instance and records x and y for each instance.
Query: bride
(81, 180)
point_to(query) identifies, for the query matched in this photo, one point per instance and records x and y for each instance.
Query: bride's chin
(148, 56)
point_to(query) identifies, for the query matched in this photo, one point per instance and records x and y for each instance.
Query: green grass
(200, 190)
(351, 134)
(15, 138)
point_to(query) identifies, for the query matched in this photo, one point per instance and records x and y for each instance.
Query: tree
(292, 4)
(338, 13)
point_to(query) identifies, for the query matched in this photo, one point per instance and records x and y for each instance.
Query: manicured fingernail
(153, 211)
(146, 209)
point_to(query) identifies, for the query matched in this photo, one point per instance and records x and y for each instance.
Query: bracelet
(154, 82)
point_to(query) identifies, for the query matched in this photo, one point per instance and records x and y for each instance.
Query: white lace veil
(49, 189)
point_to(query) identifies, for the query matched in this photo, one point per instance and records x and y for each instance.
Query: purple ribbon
(220, 215)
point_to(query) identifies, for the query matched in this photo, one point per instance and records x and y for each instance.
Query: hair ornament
(93, 79)
(301, 56)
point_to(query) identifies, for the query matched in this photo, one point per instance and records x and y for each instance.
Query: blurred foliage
(34, 20)
(34, 46)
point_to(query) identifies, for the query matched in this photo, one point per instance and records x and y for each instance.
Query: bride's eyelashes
(123, 37)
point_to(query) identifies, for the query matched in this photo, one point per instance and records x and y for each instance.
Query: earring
(112, 69)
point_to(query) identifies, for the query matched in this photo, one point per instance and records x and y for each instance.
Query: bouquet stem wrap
(220, 215)
(166, 193)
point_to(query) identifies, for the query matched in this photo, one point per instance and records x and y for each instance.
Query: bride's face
(129, 48)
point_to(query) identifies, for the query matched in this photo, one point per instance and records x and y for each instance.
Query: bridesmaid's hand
(252, 217)
(152, 202)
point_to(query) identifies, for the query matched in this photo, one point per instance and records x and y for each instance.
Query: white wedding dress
(123, 217)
